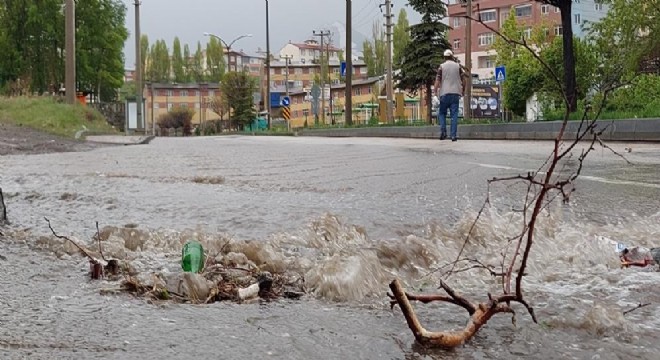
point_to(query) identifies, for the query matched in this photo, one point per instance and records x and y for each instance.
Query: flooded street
(348, 215)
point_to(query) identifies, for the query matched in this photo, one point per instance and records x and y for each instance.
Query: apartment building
(368, 100)
(302, 75)
(160, 98)
(496, 12)
(309, 51)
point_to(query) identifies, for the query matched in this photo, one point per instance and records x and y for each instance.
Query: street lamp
(228, 46)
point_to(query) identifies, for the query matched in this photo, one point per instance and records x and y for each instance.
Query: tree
(215, 60)
(368, 57)
(423, 54)
(237, 92)
(178, 62)
(523, 79)
(144, 55)
(159, 70)
(401, 36)
(198, 64)
(101, 35)
(585, 67)
(30, 41)
(570, 85)
(187, 59)
(374, 51)
(629, 34)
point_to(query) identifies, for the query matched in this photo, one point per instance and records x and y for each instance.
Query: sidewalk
(119, 139)
(618, 130)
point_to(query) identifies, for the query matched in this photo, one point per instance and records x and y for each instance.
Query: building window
(169, 106)
(457, 22)
(545, 9)
(305, 112)
(488, 16)
(336, 71)
(577, 18)
(486, 39)
(211, 93)
(524, 11)
(490, 63)
(169, 92)
(527, 33)
(457, 43)
(557, 10)
(298, 71)
(183, 105)
(358, 91)
(184, 93)
(598, 6)
(559, 31)
(155, 105)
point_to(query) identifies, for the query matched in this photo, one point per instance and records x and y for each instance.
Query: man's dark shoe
(443, 136)
(454, 139)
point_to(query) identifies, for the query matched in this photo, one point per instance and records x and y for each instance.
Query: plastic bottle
(192, 257)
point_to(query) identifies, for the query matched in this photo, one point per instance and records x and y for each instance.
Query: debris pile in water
(204, 279)
(216, 283)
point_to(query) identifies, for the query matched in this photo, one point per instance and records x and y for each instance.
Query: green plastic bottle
(192, 257)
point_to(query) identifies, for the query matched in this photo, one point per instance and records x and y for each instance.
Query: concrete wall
(617, 130)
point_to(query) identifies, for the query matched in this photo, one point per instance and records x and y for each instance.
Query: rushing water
(348, 215)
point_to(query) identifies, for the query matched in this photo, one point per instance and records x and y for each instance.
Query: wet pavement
(349, 215)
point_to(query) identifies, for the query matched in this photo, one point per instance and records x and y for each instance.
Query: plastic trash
(192, 257)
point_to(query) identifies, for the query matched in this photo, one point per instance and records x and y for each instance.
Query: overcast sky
(289, 20)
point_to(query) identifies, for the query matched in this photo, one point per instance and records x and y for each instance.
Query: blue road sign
(286, 101)
(500, 73)
(275, 99)
(343, 68)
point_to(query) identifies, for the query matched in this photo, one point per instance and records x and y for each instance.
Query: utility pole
(70, 48)
(467, 111)
(348, 111)
(388, 58)
(287, 58)
(322, 34)
(138, 68)
(267, 100)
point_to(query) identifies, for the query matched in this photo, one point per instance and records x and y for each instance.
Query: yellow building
(302, 75)
(160, 98)
(368, 103)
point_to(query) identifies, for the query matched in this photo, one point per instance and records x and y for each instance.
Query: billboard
(485, 102)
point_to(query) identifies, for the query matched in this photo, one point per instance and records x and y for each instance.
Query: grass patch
(48, 115)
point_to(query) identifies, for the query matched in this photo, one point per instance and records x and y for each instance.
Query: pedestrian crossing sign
(500, 73)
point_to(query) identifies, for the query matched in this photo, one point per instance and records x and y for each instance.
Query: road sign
(286, 101)
(286, 112)
(500, 73)
(343, 68)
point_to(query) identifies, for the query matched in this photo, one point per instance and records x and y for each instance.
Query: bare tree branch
(91, 258)
(636, 308)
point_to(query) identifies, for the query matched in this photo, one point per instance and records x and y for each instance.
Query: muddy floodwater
(348, 216)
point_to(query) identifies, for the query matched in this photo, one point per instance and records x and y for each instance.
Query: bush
(178, 117)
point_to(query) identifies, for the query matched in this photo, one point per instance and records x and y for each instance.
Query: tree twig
(636, 308)
(98, 238)
(91, 258)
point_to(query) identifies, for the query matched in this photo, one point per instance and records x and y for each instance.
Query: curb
(617, 130)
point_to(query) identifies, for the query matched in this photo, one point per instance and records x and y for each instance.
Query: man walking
(450, 85)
